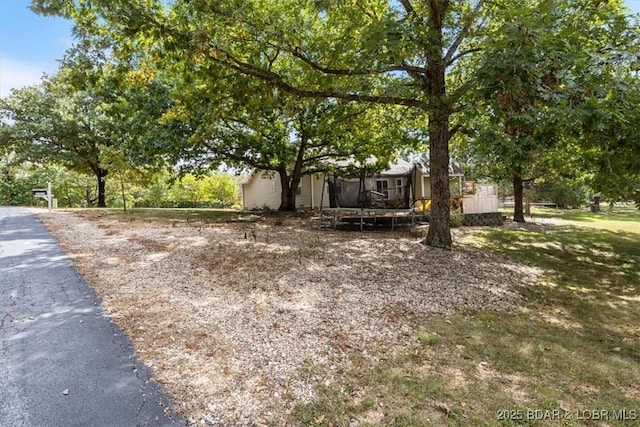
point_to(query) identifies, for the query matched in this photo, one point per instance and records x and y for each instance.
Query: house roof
(247, 179)
(454, 167)
(399, 167)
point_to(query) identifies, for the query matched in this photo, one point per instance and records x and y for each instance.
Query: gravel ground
(241, 321)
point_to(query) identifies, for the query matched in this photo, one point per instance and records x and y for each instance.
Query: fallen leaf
(443, 407)
(65, 391)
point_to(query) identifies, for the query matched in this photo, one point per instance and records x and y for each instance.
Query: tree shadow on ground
(591, 280)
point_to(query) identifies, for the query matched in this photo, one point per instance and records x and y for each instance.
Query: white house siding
(303, 200)
(263, 189)
(319, 184)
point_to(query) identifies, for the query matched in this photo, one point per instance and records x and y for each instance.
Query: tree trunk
(101, 175)
(518, 209)
(89, 196)
(124, 197)
(439, 234)
(288, 183)
(288, 194)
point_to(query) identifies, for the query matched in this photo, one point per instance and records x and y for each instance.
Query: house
(402, 185)
(262, 189)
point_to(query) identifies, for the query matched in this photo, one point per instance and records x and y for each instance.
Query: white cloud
(17, 74)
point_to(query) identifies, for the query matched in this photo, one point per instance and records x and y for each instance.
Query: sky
(30, 45)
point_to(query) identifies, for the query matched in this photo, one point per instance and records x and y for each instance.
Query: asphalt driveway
(63, 362)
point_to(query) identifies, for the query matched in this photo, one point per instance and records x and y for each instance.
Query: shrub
(456, 219)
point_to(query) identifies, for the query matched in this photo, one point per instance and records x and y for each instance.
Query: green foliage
(73, 189)
(217, 190)
(565, 193)
(222, 188)
(457, 219)
(290, 137)
(62, 120)
(611, 139)
(155, 195)
(187, 190)
(15, 184)
(545, 76)
(385, 53)
(18, 180)
(90, 118)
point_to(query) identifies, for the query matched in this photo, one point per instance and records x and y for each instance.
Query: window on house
(399, 185)
(382, 186)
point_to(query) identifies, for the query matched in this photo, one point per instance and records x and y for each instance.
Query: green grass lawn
(624, 218)
(569, 357)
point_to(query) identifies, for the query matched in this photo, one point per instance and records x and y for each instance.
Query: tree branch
(464, 32)
(408, 7)
(461, 54)
(277, 80)
(347, 72)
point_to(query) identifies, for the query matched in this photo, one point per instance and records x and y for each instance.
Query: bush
(565, 193)
(456, 219)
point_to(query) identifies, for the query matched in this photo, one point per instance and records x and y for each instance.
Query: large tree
(93, 116)
(538, 77)
(51, 126)
(63, 119)
(611, 143)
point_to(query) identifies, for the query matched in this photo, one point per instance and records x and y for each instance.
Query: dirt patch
(242, 321)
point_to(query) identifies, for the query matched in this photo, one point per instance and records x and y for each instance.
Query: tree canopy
(57, 122)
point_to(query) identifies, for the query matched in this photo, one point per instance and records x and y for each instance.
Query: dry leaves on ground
(241, 321)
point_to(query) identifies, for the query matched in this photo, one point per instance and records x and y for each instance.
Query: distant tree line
(74, 190)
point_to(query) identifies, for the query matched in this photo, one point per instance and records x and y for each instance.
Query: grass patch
(570, 355)
(617, 218)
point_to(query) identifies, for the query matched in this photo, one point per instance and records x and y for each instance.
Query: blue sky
(30, 44)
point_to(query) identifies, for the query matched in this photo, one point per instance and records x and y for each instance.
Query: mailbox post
(44, 193)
